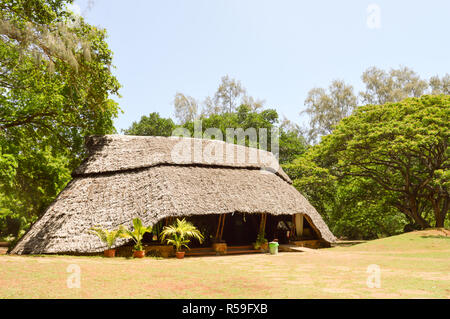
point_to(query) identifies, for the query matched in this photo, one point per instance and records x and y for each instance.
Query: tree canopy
(376, 169)
(55, 88)
(291, 141)
(228, 97)
(394, 156)
(151, 125)
(327, 107)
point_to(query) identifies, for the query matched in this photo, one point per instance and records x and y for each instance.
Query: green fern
(138, 233)
(108, 237)
(179, 234)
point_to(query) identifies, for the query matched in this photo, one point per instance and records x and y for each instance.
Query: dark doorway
(278, 227)
(241, 229)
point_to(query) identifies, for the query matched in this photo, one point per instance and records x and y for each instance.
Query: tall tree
(326, 109)
(291, 142)
(55, 89)
(353, 207)
(393, 86)
(403, 148)
(228, 94)
(151, 125)
(440, 86)
(186, 108)
(254, 104)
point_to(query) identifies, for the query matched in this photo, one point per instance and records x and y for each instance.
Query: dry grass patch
(413, 265)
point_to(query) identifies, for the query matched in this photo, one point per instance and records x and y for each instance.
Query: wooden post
(221, 230)
(262, 224)
(299, 224)
(218, 227)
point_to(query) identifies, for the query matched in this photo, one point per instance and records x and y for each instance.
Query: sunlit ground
(413, 265)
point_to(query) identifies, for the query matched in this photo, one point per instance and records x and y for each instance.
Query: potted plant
(108, 237)
(137, 234)
(220, 247)
(261, 242)
(178, 235)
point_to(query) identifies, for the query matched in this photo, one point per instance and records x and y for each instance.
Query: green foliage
(54, 90)
(379, 162)
(157, 228)
(151, 125)
(186, 108)
(260, 240)
(109, 237)
(326, 109)
(353, 208)
(179, 233)
(138, 233)
(291, 142)
(403, 148)
(392, 86)
(312, 177)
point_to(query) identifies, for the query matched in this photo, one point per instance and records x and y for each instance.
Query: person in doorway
(282, 231)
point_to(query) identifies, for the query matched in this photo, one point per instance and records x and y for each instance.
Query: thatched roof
(121, 180)
(112, 153)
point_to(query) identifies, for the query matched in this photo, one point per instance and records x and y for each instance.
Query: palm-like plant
(108, 237)
(179, 234)
(138, 233)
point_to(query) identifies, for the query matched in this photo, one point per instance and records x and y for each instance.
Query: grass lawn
(413, 265)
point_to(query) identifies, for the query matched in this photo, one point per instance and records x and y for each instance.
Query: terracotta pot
(139, 254)
(220, 248)
(109, 253)
(264, 247)
(180, 254)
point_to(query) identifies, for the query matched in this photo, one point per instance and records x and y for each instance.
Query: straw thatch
(127, 176)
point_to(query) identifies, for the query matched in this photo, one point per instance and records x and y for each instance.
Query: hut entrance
(240, 229)
(287, 228)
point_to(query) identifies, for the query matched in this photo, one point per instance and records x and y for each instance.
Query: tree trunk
(440, 213)
(414, 209)
(420, 221)
(411, 211)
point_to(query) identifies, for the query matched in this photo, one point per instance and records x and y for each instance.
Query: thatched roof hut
(157, 177)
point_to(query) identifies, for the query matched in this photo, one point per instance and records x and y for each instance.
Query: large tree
(353, 207)
(229, 94)
(186, 108)
(291, 142)
(55, 68)
(228, 97)
(55, 88)
(392, 86)
(440, 85)
(326, 109)
(403, 148)
(151, 125)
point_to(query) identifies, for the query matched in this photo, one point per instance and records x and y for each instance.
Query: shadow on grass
(436, 237)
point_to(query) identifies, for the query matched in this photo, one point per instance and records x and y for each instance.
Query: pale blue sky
(279, 50)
